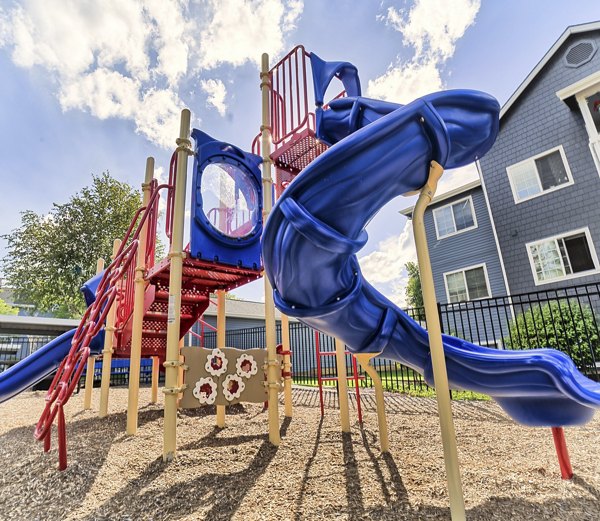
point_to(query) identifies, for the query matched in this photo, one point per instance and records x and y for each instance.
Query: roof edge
(446, 195)
(569, 31)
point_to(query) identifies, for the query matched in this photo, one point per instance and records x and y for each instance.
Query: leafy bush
(566, 325)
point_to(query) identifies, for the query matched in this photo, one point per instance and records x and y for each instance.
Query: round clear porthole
(229, 199)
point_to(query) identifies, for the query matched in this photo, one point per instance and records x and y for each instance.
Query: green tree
(5, 309)
(50, 256)
(565, 326)
(413, 292)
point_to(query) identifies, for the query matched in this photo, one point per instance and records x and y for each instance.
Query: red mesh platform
(298, 152)
(201, 277)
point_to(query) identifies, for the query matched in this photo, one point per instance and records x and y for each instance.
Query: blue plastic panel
(226, 220)
(317, 226)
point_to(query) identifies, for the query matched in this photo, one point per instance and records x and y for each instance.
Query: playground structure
(334, 169)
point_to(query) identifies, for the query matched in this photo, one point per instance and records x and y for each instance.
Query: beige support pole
(109, 338)
(155, 374)
(267, 186)
(221, 318)
(342, 381)
(91, 362)
(363, 360)
(135, 353)
(287, 365)
(457, 506)
(176, 255)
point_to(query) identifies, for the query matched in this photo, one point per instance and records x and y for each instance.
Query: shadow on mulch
(22, 477)
(220, 496)
(224, 493)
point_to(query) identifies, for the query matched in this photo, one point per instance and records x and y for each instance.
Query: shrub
(566, 325)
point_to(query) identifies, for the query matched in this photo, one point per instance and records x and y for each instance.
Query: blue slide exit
(380, 151)
(37, 366)
(43, 362)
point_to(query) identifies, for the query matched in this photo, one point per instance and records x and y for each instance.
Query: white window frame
(532, 159)
(580, 274)
(593, 134)
(467, 268)
(436, 210)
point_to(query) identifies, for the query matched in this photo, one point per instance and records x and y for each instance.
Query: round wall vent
(580, 53)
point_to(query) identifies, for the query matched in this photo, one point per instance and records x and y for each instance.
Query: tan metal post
(135, 353)
(267, 186)
(171, 390)
(363, 360)
(340, 360)
(287, 365)
(109, 338)
(457, 505)
(155, 374)
(91, 361)
(221, 317)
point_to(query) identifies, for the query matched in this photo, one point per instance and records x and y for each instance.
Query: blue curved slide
(382, 150)
(37, 366)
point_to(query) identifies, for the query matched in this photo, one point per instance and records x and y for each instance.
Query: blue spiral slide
(37, 366)
(381, 150)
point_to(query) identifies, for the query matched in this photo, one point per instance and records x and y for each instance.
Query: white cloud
(457, 177)
(216, 94)
(130, 60)
(431, 28)
(384, 268)
(406, 81)
(238, 27)
(5, 28)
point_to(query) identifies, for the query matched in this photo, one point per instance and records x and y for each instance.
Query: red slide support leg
(564, 461)
(62, 440)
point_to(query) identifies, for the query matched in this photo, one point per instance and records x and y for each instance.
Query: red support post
(62, 440)
(560, 444)
(319, 375)
(357, 388)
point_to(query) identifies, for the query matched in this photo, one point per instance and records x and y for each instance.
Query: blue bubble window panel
(226, 220)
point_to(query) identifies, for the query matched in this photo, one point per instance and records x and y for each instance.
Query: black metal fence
(566, 319)
(16, 347)
(303, 341)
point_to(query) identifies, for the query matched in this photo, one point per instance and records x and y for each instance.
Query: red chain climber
(113, 287)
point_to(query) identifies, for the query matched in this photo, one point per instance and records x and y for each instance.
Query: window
(229, 199)
(454, 218)
(565, 256)
(467, 284)
(539, 174)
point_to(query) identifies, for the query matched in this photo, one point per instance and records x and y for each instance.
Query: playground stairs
(199, 279)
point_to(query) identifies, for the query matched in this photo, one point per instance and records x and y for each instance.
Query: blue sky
(94, 85)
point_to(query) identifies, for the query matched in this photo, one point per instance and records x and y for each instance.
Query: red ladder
(320, 378)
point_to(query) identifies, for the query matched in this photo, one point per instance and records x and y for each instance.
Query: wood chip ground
(508, 471)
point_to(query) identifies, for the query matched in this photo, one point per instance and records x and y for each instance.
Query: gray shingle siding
(465, 249)
(539, 121)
